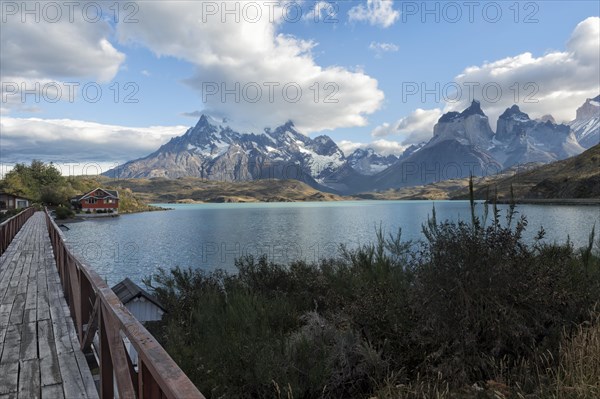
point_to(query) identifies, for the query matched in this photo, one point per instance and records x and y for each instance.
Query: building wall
(144, 310)
(100, 204)
(12, 202)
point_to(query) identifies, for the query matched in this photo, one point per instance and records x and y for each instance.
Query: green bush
(471, 306)
(62, 212)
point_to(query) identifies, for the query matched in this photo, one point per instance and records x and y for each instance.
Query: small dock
(40, 354)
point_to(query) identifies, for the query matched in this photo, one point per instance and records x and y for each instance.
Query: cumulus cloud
(381, 146)
(68, 140)
(48, 50)
(249, 73)
(375, 12)
(555, 83)
(413, 129)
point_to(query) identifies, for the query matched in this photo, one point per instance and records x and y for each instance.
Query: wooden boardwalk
(39, 349)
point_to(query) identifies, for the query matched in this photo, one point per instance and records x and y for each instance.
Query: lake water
(211, 236)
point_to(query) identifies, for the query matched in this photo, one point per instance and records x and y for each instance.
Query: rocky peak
(474, 109)
(590, 109)
(512, 123)
(470, 127)
(586, 126)
(323, 145)
(515, 113)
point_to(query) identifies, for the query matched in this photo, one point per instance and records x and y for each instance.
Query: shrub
(471, 310)
(62, 212)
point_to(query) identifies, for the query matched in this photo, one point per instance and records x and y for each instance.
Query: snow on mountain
(521, 140)
(214, 151)
(368, 162)
(586, 126)
(463, 144)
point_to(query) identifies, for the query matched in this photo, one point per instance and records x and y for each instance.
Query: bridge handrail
(10, 227)
(95, 308)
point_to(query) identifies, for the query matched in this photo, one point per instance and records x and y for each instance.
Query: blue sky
(153, 71)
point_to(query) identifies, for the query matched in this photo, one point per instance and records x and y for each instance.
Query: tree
(39, 182)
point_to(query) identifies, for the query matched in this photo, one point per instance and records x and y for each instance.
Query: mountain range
(463, 144)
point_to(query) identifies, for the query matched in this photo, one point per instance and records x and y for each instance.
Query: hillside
(192, 189)
(573, 178)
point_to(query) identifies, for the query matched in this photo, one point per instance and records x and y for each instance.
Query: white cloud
(385, 129)
(58, 50)
(383, 47)
(255, 56)
(556, 83)
(44, 51)
(414, 128)
(376, 12)
(380, 48)
(381, 146)
(348, 147)
(52, 139)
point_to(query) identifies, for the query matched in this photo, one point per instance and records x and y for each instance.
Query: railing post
(86, 308)
(106, 368)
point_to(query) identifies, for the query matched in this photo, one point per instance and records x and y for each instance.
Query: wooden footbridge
(62, 329)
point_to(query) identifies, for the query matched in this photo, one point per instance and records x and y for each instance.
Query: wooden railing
(96, 309)
(10, 227)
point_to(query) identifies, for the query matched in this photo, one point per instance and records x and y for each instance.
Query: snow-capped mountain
(214, 151)
(459, 148)
(463, 144)
(521, 140)
(586, 125)
(368, 162)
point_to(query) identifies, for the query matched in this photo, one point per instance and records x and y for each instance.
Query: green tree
(39, 182)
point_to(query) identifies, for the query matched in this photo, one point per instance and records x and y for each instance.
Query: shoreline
(553, 201)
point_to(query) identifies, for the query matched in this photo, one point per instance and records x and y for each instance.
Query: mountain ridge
(463, 144)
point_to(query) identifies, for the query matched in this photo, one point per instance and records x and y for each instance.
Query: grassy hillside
(191, 189)
(573, 178)
(576, 179)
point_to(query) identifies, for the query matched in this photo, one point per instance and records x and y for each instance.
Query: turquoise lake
(211, 236)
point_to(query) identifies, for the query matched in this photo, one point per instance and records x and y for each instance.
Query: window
(91, 200)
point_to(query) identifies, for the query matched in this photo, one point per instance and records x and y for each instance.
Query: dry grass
(578, 374)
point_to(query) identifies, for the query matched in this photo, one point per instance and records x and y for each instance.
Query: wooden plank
(29, 379)
(39, 349)
(43, 306)
(12, 345)
(73, 385)
(53, 392)
(29, 345)
(49, 367)
(29, 316)
(86, 375)
(9, 377)
(16, 315)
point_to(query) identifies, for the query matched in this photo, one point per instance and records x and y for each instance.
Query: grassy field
(196, 190)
